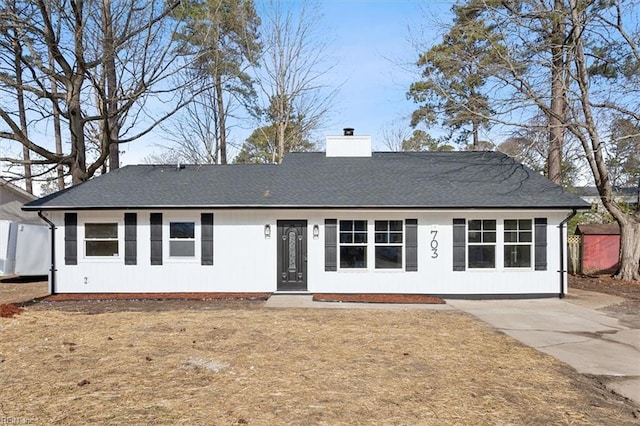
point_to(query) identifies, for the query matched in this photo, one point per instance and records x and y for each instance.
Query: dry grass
(22, 292)
(293, 366)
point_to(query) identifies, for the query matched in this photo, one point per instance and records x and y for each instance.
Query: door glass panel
(292, 249)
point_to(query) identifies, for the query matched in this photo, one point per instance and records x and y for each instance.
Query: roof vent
(348, 131)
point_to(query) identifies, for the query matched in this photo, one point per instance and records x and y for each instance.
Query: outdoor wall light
(316, 231)
(267, 231)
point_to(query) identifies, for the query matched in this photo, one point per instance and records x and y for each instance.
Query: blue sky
(369, 42)
(372, 42)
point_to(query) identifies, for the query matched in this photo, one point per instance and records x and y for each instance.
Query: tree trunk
(78, 167)
(112, 128)
(629, 264)
(221, 119)
(558, 106)
(629, 259)
(281, 130)
(57, 130)
(475, 134)
(26, 155)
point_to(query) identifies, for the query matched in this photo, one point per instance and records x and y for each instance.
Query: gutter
(303, 207)
(52, 226)
(562, 246)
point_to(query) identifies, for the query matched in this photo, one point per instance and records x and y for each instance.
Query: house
(600, 247)
(590, 194)
(23, 236)
(460, 224)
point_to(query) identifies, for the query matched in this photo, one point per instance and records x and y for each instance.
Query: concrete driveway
(571, 330)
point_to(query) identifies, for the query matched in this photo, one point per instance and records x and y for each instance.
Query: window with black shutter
(70, 238)
(155, 220)
(459, 244)
(330, 245)
(206, 238)
(130, 238)
(540, 244)
(411, 244)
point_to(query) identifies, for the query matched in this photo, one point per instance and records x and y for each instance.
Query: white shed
(24, 237)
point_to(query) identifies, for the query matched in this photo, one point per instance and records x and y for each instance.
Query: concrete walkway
(306, 301)
(572, 331)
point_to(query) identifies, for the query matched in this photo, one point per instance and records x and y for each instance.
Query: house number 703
(434, 244)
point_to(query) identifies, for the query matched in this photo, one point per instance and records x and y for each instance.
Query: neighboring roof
(311, 180)
(592, 191)
(598, 229)
(12, 211)
(19, 192)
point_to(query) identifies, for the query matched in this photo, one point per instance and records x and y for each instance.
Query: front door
(292, 255)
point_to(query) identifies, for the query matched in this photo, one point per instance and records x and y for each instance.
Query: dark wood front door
(292, 255)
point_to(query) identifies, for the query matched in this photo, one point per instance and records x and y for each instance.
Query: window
(101, 239)
(353, 244)
(182, 239)
(481, 238)
(388, 244)
(517, 243)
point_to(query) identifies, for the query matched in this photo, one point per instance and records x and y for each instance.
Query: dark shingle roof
(308, 180)
(598, 229)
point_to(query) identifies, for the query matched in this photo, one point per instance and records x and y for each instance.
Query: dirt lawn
(11, 292)
(236, 362)
(236, 365)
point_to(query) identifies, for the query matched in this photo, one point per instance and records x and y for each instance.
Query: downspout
(562, 245)
(53, 251)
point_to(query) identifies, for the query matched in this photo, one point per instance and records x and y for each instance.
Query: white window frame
(519, 234)
(387, 243)
(86, 239)
(192, 240)
(482, 242)
(364, 244)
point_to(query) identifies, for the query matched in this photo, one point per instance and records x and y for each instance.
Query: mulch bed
(606, 284)
(9, 310)
(156, 296)
(322, 297)
(377, 298)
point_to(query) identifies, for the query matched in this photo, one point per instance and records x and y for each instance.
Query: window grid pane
(101, 231)
(353, 240)
(481, 239)
(517, 256)
(101, 239)
(482, 256)
(97, 248)
(182, 239)
(518, 237)
(389, 238)
(182, 230)
(388, 257)
(353, 256)
(182, 248)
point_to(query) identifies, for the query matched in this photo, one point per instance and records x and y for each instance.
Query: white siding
(245, 261)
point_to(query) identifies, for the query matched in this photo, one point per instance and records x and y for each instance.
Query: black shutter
(155, 221)
(459, 249)
(541, 244)
(330, 245)
(411, 244)
(130, 238)
(206, 238)
(71, 238)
